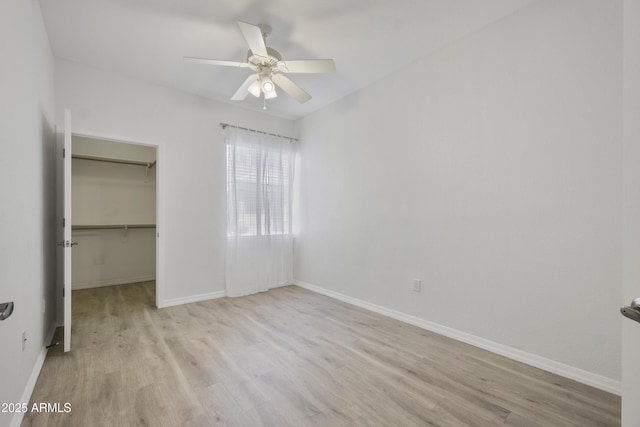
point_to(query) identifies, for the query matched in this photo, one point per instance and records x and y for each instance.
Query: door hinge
(64, 153)
(64, 222)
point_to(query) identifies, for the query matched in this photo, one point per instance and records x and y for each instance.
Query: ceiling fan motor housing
(258, 63)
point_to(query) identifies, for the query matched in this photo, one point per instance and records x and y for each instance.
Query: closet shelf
(111, 226)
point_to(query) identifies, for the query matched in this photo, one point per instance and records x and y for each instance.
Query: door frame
(160, 203)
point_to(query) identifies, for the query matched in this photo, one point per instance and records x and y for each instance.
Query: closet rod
(112, 227)
(110, 160)
(224, 125)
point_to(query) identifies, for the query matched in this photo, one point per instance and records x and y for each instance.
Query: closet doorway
(114, 215)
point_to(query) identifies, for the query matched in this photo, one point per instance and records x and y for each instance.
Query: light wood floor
(288, 357)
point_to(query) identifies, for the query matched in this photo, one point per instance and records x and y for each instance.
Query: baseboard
(192, 298)
(33, 378)
(111, 282)
(567, 371)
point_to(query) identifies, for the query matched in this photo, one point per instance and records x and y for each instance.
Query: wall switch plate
(417, 285)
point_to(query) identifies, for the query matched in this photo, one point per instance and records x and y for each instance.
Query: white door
(67, 244)
(631, 214)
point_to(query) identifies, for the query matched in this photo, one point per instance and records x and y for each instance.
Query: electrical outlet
(417, 285)
(24, 340)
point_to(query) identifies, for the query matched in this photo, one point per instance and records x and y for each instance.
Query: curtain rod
(224, 125)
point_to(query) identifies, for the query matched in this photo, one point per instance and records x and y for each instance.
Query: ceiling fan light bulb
(267, 85)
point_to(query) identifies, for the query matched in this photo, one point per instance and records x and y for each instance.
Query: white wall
(112, 193)
(191, 163)
(27, 187)
(631, 214)
(105, 193)
(113, 257)
(490, 170)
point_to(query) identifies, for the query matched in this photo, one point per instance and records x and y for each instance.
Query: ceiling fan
(269, 67)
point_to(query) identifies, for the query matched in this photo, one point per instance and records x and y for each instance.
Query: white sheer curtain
(260, 171)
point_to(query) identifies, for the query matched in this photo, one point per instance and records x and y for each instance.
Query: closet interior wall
(113, 213)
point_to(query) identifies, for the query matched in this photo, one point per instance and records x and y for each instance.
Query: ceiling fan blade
(308, 66)
(253, 35)
(291, 88)
(243, 91)
(216, 62)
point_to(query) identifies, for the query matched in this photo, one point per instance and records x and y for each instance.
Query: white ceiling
(368, 39)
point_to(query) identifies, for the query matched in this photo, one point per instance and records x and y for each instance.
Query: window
(259, 179)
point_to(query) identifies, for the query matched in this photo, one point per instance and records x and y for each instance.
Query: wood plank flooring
(288, 357)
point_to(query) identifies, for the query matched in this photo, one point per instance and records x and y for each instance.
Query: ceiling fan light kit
(267, 85)
(254, 88)
(269, 67)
